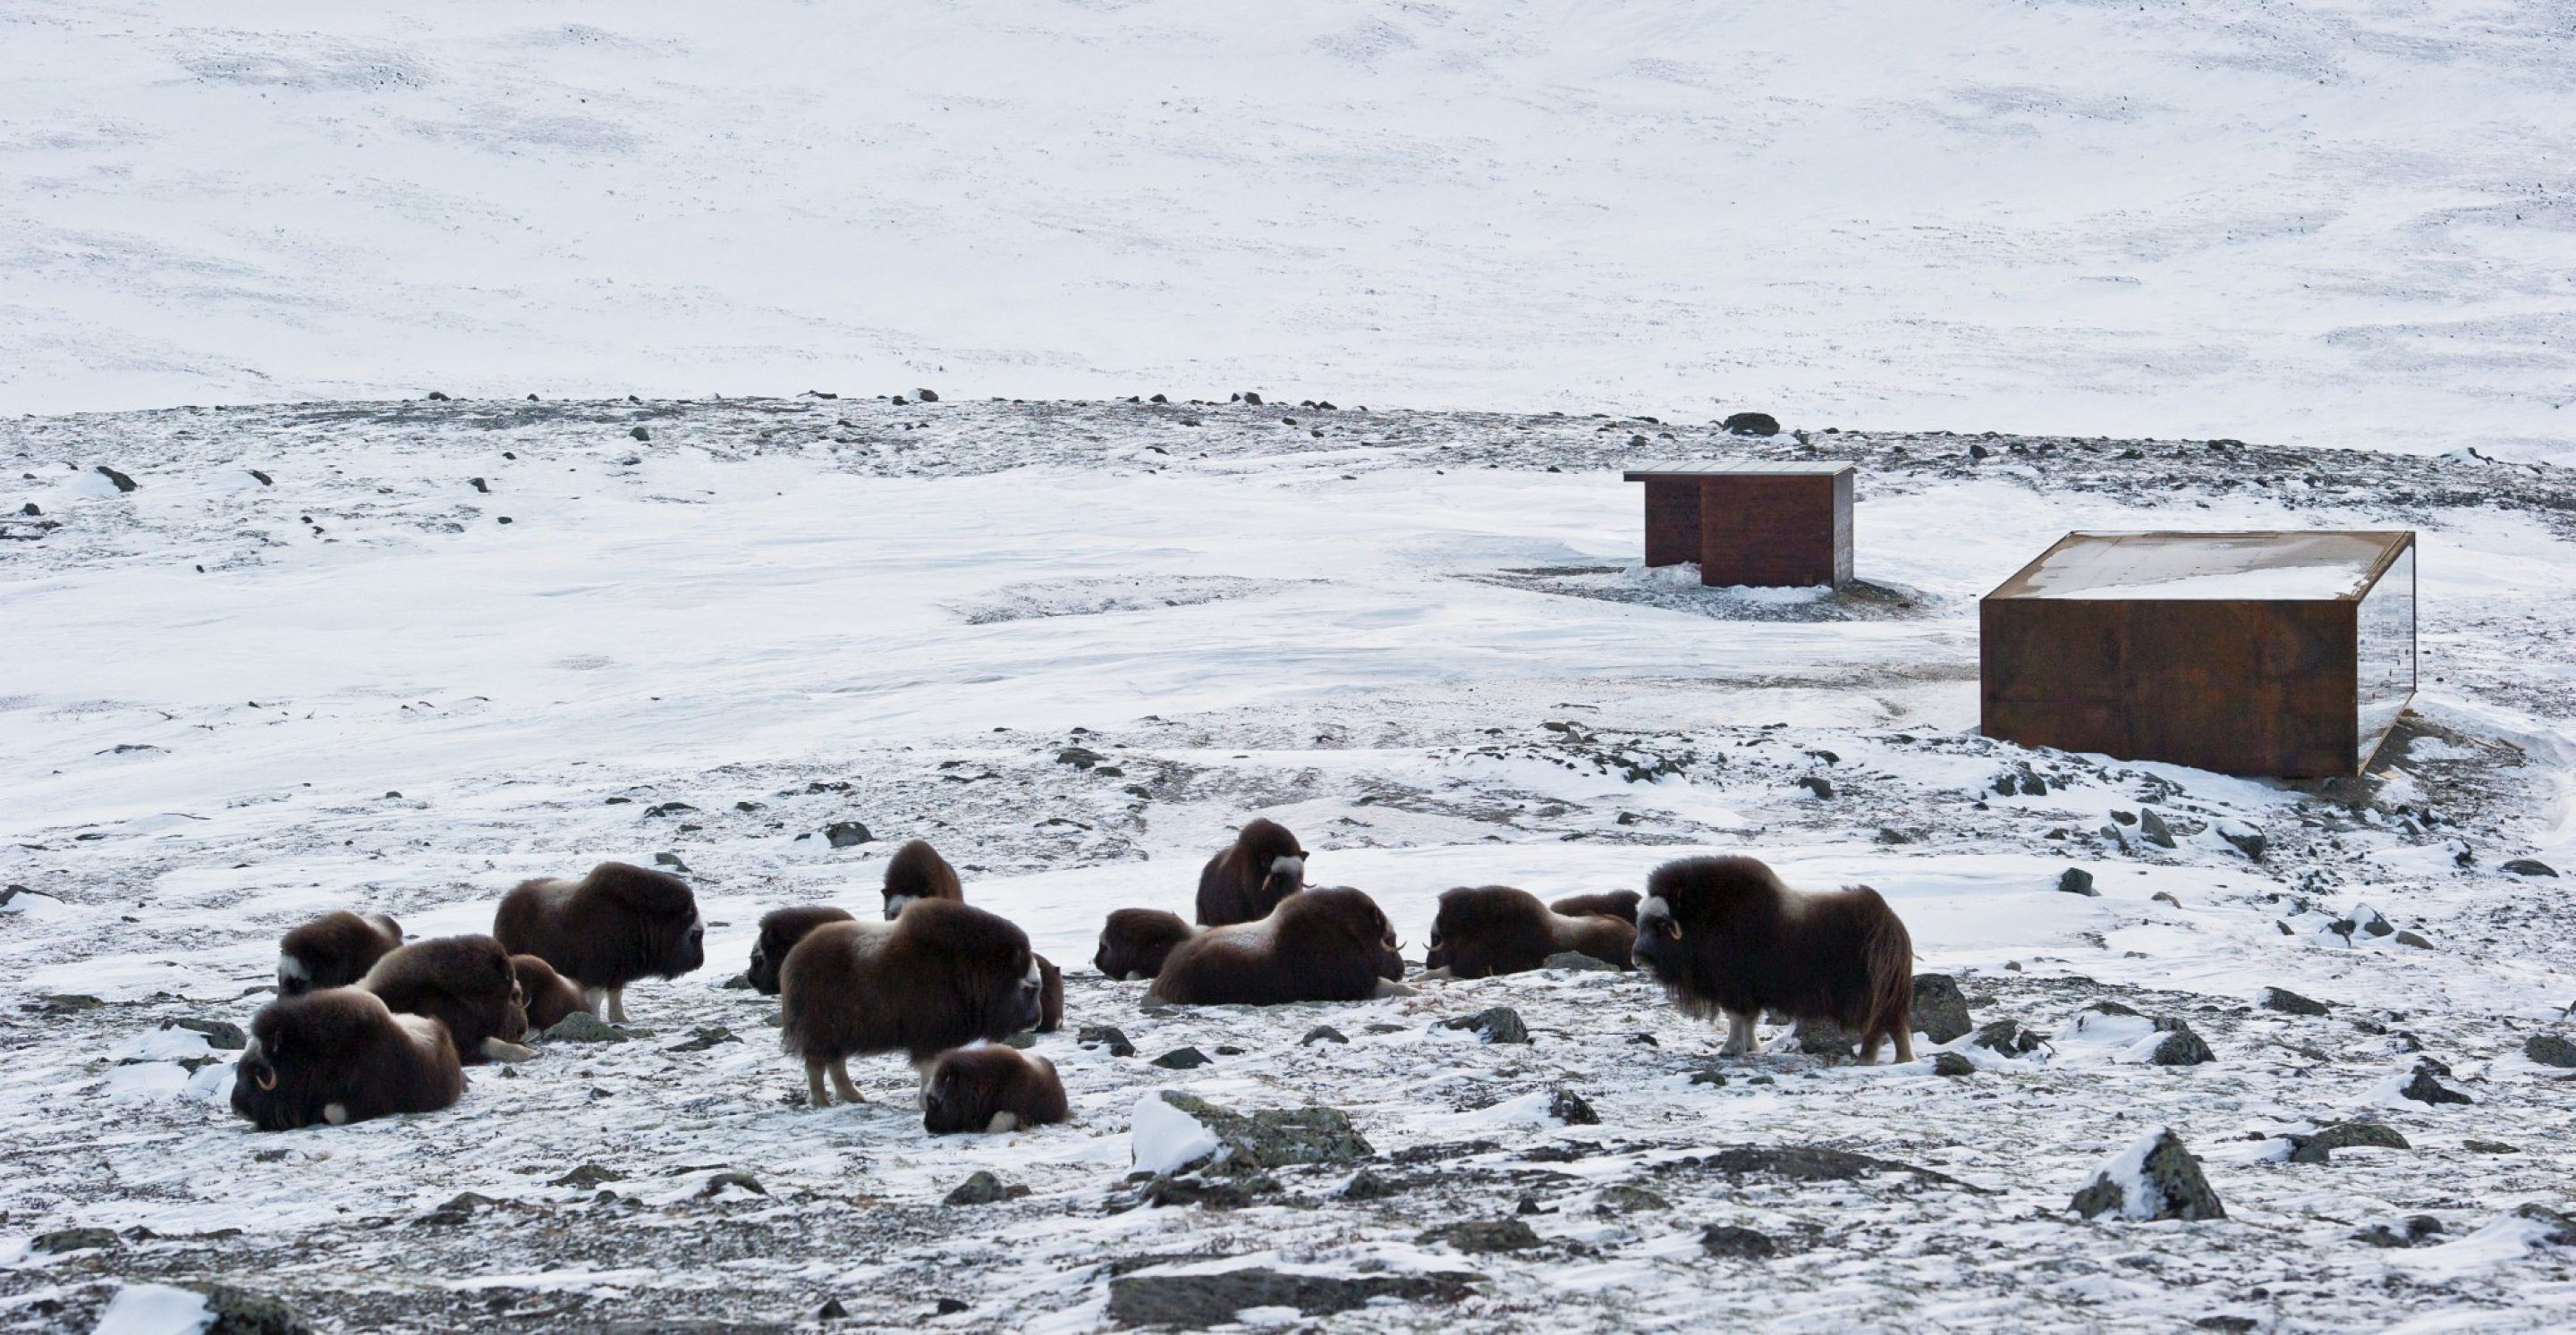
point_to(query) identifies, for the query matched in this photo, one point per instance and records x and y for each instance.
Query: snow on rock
(2154, 1178)
(155, 1309)
(1164, 1139)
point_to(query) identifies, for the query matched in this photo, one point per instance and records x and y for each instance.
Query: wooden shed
(2287, 655)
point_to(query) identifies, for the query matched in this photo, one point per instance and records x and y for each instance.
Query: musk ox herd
(365, 1025)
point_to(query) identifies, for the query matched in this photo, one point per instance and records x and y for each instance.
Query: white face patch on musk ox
(1242, 884)
(333, 950)
(616, 925)
(987, 1089)
(780, 930)
(917, 872)
(1326, 944)
(941, 976)
(1728, 940)
(337, 1056)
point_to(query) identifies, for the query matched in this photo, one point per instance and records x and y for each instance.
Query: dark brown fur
(918, 872)
(941, 976)
(341, 1046)
(1134, 942)
(1245, 882)
(969, 1087)
(1325, 944)
(1050, 995)
(1620, 904)
(1725, 936)
(1492, 929)
(606, 930)
(549, 996)
(333, 950)
(464, 982)
(780, 930)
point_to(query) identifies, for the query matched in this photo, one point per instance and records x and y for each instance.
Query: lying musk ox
(941, 976)
(340, 1056)
(464, 982)
(1725, 937)
(1134, 942)
(1485, 930)
(780, 930)
(606, 930)
(991, 1089)
(1620, 904)
(1327, 944)
(549, 996)
(1246, 881)
(333, 950)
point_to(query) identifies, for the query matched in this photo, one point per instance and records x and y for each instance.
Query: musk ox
(1485, 930)
(1725, 937)
(780, 930)
(1620, 904)
(1134, 942)
(464, 982)
(549, 996)
(918, 872)
(1327, 944)
(333, 950)
(604, 931)
(1246, 881)
(991, 1089)
(340, 1056)
(941, 976)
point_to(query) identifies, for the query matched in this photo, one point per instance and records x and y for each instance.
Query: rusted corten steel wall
(1672, 520)
(1779, 530)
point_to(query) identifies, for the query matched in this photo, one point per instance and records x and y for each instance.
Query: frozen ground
(2331, 222)
(1073, 643)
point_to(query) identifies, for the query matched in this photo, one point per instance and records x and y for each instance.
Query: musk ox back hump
(617, 924)
(940, 976)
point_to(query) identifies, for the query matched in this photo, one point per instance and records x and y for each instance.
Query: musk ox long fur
(1327, 944)
(1489, 929)
(1134, 942)
(1727, 938)
(1620, 904)
(464, 982)
(549, 996)
(606, 930)
(918, 872)
(1245, 882)
(941, 976)
(991, 1089)
(780, 930)
(340, 1056)
(333, 950)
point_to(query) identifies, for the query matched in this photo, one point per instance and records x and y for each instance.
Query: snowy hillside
(400, 655)
(2336, 223)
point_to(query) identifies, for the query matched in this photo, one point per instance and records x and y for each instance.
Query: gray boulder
(2158, 1179)
(1940, 1008)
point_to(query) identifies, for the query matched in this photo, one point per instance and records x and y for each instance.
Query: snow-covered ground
(305, 664)
(2335, 222)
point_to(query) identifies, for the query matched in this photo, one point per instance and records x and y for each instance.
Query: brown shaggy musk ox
(1134, 942)
(464, 982)
(333, 950)
(339, 1056)
(991, 1089)
(1489, 929)
(1727, 938)
(1246, 881)
(918, 872)
(1620, 904)
(1327, 944)
(941, 976)
(780, 930)
(604, 931)
(549, 996)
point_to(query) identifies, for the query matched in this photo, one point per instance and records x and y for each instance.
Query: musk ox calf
(464, 982)
(940, 976)
(333, 950)
(613, 926)
(1327, 944)
(1245, 882)
(549, 996)
(918, 872)
(1620, 904)
(1725, 937)
(991, 1089)
(1485, 930)
(1134, 942)
(340, 1056)
(780, 930)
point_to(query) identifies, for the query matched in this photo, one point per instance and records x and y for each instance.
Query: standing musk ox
(464, 982)
(1245, 882)
(1485, 930)
(941, 976)
(1134, 942)
(780, 930)
(1620, 904)
(549, 996)
(1725, 937)
(604, 931)
(1326, 944)
(339, 1056)
(991, 1089)
(333, 950)
(918, 872)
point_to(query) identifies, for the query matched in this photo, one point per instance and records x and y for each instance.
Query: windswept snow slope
(2317, 223)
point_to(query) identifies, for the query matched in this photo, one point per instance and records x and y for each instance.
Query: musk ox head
(981, 960)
